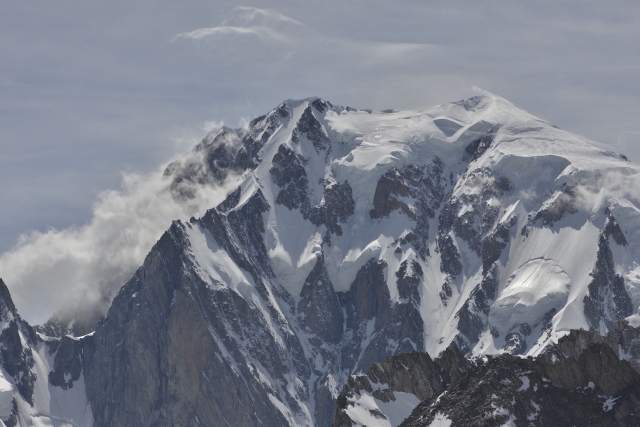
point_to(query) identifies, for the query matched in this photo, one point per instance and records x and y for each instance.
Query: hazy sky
(91, 89)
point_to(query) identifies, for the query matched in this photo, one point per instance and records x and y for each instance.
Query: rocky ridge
(581, 380)
(37, 370)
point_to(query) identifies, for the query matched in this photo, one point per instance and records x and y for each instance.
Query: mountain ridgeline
(368, 262)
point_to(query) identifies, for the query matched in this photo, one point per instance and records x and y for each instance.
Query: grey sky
(90, 89)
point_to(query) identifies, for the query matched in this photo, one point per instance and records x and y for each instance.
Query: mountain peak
(7, 308)
(353, 236)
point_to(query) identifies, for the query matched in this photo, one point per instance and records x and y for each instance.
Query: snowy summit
(356, 235)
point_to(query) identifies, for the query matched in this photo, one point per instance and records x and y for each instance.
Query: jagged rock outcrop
(623, 339)
(40, 377)
(319, 311)
(412, 373)
(579, 381)
(309, 126)
(17, 338)
(596, 388)
(166, 353)
(337, 205)
(416, 191)
(560, 203)
(376, 325)
(67, 361)
(608, 299)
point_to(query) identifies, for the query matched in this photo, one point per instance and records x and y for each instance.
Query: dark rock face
(18, 345)
(320, 315)
(319, 310)
(321, 105)
(240, 232)
(391, 327)
(372, 326)
(260, 130)
(289, 174)
(417, 191)
(16, 356)
(553, 209)
(594, 389)
(472, 317)
(622, 338)
(227, 152)
(335, 208)
(478, 146)
(213, 162)
(608, 299)
(450, 262)
(309, 126)
(168, 353)
(67, 362)
(495, 242)
(612, 229)
(414, 373)
(230, 202)
(516, 339)
(480, 216)
(473, 218)
(408, 278)
(579, 381)
(82, 323)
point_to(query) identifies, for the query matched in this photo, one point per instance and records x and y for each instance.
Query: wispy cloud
(79, 268)
(296, 38)
(90, 88)
(264, 24)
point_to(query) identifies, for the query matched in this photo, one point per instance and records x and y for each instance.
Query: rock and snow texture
(41, 382)
(358, 235)
(584, 379)
(389, 392)
(511, 231)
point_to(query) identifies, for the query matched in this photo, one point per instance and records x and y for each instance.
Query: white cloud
(265, 24)
(212, 126)
(261, 32)
(89, 89)
(295, 38)
(75, 268)
(629, 145)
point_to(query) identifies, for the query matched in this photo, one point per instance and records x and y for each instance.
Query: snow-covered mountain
(357, 235)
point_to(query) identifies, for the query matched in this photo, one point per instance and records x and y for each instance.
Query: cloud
(629, 145)
(77, 269)
(90, 89)
(247, 16)
(212, 126)
(264, 24)
(292, 37)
